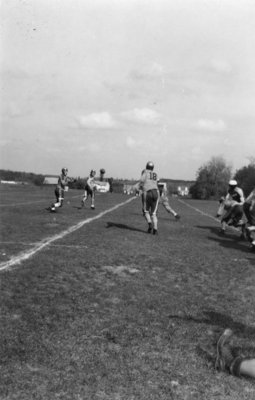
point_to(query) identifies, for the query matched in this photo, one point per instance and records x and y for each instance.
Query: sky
(90, 84)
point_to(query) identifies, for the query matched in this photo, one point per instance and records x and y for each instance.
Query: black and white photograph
(127, 200)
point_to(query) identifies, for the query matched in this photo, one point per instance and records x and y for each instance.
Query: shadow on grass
(221, 321)
(252, 260)
(123, 226)
(230, 241)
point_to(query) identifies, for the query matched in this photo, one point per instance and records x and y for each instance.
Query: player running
(148, 184)
(60, 189)
(165, 202)
(90, 189)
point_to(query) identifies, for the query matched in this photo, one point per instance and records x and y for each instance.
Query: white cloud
(196, 153)
(151, 71)
(221, 66)
(94, 147)
(132, 143)
(211, 125)
(101, 120)
(91, 147)
(142, 115)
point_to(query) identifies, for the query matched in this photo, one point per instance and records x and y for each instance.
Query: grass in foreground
(110, 312)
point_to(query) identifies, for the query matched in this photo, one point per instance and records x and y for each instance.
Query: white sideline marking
(46, 242)
(76, 246)
(199, 211)
(207, 215)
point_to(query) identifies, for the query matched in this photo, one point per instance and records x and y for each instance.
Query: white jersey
(148, 181)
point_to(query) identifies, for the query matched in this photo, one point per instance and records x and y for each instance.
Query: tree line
(213, 177)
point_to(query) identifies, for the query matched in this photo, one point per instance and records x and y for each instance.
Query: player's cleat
(92, 207)
(149, 228)
(155, 232)
(177, 217)
(52, 207)
(224, 358)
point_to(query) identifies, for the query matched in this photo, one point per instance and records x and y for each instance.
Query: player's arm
(229, 202)
(241, 194)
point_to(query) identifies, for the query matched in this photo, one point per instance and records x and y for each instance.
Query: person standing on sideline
(60, 189)
(148, 184)
(90, 188)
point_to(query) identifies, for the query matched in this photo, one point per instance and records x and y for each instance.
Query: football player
(90, 189)
(249, 208)
(165, 202)
(249, 211)
(148, 184)
(234, 201)
(60, 189)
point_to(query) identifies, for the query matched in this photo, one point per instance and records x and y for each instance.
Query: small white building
(102, 187)
(131, 189)
(183, 190)
(50, 180)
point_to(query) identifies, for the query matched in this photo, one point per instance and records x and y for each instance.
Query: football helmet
(150, 165)
(232, 182)
(64, 171)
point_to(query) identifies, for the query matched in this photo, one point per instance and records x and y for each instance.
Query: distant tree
(38, 180)
(246, 178)
(79, 183)
(212, 179)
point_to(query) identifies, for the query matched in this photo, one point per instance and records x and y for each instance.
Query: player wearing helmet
(233, 204)
(148, 184)
(90, 189)
(60, 189)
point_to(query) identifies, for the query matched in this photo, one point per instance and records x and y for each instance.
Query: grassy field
(94, 308)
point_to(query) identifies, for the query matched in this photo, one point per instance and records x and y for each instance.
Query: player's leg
(249, 213)
(92, 199)
(227, 361)
(154, 209)
(143, 204)
(225, 220)
(169, 209)
(236, 215)
(59, 193)
(147, 206)
(85, 196)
